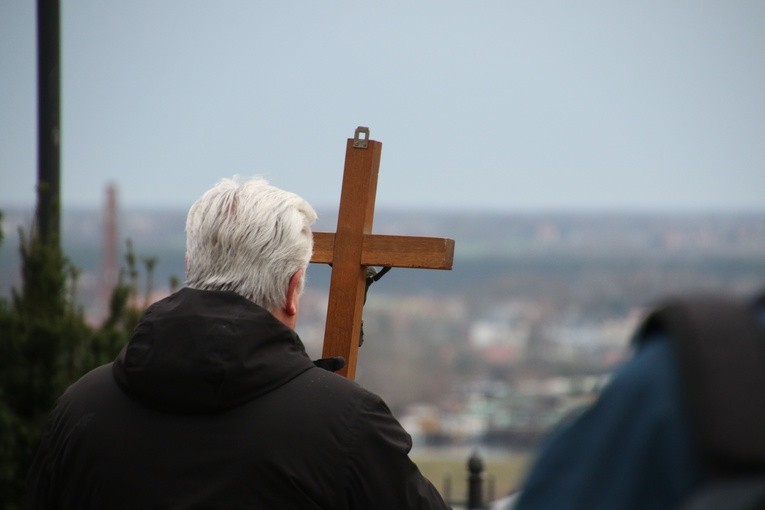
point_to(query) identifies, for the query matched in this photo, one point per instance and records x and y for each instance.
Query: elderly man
(214, 403)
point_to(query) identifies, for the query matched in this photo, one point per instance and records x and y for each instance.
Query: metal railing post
(475, 482)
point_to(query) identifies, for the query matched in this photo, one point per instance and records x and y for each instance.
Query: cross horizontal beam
(391, 251)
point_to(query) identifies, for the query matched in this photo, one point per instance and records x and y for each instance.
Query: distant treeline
(522, 253)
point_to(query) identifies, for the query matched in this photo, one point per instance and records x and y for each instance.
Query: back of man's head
(248, 237)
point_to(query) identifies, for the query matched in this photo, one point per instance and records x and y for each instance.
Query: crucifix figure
(353, 248)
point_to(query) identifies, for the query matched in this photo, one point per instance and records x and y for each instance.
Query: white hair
(250, 238)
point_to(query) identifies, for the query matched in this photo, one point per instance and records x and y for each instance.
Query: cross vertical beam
(348, 282)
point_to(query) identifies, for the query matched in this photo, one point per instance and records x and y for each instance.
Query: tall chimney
(110, 249)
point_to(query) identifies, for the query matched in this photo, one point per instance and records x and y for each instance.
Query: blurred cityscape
(525, 329)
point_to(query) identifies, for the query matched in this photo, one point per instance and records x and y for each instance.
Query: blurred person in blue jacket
(680, 425)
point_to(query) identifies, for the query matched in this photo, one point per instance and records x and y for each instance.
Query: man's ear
(291, 307)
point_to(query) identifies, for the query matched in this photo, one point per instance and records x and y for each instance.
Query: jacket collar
(200, 351)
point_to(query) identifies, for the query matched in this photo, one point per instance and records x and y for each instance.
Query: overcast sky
(480, 105)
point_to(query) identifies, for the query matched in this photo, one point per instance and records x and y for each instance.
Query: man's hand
(332, 364)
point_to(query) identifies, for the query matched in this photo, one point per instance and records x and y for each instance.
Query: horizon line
(540, 210)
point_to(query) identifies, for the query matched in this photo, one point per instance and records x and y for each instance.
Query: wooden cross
(353, 248)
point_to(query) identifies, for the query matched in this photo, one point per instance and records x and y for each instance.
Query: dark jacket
(215, 404)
